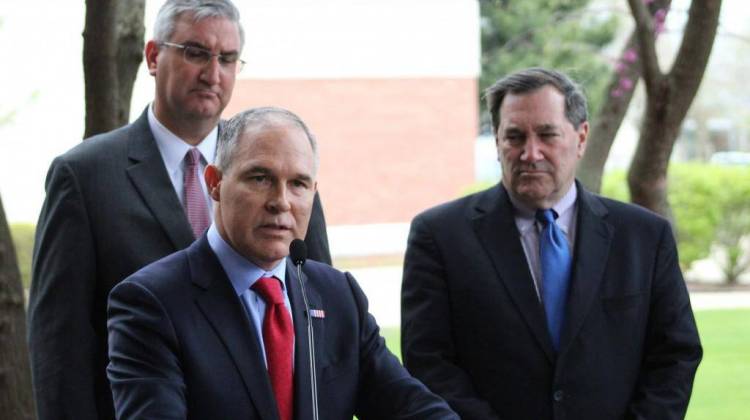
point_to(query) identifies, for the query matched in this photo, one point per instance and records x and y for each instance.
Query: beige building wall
(389, 147)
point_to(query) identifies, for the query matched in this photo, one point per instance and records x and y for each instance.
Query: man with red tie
(218, 330)
(123, 199)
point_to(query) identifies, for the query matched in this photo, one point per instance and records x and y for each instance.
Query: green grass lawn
(722, 386)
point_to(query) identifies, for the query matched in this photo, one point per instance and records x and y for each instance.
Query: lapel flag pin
(317, 313)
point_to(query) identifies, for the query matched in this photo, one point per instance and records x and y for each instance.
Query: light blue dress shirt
(529, 228)
(243, 274)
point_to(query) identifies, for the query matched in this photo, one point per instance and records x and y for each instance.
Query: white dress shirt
(173, 150)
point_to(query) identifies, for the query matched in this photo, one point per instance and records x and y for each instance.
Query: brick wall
(389, 147)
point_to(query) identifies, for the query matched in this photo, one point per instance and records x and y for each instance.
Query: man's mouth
(206, 93)
(275, 227)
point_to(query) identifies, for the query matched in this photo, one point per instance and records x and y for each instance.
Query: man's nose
(211, 72)
(278, 202)
(531, 150)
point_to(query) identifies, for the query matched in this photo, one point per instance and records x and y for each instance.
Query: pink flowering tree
(668, 95)
(619, 92)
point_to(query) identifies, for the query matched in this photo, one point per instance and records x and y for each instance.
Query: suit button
(558, 396)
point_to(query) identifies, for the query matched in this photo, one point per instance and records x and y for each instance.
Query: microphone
(298, 252)
(298, 255)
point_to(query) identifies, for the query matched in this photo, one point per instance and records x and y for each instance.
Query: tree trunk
(614, 107)
(112, 52)
(669, 97)
(16, 399)
(607, 123)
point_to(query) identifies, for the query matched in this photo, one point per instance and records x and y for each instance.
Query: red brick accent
(389, 148)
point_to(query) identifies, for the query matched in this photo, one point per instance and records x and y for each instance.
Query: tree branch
(650, 71)
(695, 50)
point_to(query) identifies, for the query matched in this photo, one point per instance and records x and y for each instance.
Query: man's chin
(205, 110)
(533, 196)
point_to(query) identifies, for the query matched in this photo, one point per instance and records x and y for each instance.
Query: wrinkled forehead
(544, 106)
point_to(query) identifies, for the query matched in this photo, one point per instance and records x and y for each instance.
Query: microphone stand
(310, 342)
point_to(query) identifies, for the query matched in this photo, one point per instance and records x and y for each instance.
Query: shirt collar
(241, 272)
(173, 148)
(524, 215)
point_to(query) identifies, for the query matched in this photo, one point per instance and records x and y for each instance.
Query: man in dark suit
(536, 299)
(118, 201)
(219, 330)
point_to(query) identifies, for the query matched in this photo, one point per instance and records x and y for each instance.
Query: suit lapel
(149, 176)
(592, 244)
(302, 383)
(495, 226)
(224, 311)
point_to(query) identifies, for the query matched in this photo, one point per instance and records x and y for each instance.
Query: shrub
(23, 241)
(705, 200)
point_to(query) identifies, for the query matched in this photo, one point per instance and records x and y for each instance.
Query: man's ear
(583, 135)
(212, 175)
(151, 52)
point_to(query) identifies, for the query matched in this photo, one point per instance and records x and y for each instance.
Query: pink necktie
(278, 339)
(195, 201)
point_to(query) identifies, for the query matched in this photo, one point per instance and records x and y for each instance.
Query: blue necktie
(555, 261)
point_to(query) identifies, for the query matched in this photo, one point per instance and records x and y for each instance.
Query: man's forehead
(190, 29)
(288, 140)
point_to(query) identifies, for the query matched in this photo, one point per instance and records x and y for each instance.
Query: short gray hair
(230, 131)
(172, 10)
(531, 79)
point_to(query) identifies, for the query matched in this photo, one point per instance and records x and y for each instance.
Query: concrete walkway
(382, 285)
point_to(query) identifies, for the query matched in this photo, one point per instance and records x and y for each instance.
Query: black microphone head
(298, 251)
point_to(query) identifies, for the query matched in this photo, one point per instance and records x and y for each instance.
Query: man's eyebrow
(546, 127)
(304, 177)
(256, 169)
(197, 44)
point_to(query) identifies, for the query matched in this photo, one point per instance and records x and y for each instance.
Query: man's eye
(299, 184)
(513, 138)
(197, 54)
(228, 58)
(259, 179)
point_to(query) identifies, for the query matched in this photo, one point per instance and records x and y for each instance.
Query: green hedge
(23, 241)
(702, 197)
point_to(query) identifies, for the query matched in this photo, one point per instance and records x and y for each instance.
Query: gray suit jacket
(110, 210)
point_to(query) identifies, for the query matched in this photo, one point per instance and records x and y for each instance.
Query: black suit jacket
(474, 331)
(110, 210)
(183, 347)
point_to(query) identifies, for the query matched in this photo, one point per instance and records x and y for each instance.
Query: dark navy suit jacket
(181, 346)
(110, 210)
(474, 331)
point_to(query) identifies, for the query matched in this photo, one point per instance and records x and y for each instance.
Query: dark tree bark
(16, 398)
(614, 107)
(112, 52)
(668, 98)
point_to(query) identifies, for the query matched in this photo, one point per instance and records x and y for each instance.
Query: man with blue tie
(218, 330)
(536, 299)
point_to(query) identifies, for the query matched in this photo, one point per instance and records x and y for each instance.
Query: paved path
(383, 288)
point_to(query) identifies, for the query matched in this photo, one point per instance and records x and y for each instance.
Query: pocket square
(317, 313)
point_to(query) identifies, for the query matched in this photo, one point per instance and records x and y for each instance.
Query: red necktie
(195, 201)
(278, 339)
